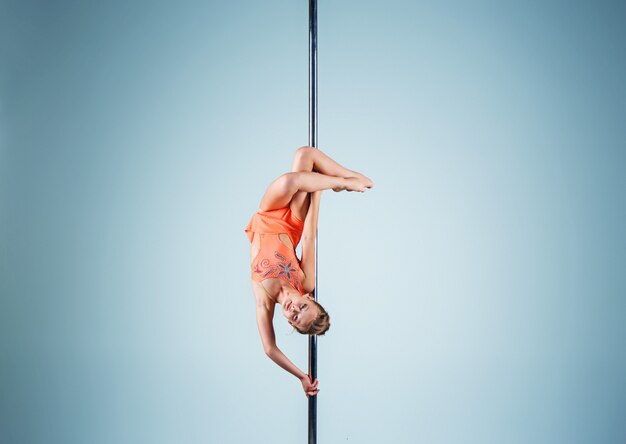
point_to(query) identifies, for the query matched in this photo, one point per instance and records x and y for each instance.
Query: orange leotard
(275, 259)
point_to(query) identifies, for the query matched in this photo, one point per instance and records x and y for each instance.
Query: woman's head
(305, 315)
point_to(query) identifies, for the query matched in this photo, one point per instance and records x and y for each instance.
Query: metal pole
(313, 73)
(313, 142)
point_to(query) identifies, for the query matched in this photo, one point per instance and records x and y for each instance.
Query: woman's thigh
(302, 161)
(280, 195)
(300, 204)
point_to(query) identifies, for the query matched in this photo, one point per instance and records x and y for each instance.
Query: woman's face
(299, 310)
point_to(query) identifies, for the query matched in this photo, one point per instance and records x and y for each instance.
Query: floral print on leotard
(280, 268)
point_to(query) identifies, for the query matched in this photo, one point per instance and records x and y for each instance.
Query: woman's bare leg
(281, 192)
(308, 158)
(311, 159)
(311, 171)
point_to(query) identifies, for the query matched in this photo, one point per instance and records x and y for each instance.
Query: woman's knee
(288, 183)
(280, 192)
(303, 158)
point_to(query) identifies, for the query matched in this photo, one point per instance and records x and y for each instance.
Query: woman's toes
(367, 182)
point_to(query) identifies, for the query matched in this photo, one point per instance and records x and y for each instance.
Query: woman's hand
(310, 388)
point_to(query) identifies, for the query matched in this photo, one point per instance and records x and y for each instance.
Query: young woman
(288, 213)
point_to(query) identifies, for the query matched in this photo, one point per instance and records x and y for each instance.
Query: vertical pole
(313, 73)
(313, 142)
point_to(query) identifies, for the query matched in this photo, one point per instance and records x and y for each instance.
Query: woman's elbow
(269, 350)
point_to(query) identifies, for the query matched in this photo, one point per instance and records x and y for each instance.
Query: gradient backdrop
(477, 294)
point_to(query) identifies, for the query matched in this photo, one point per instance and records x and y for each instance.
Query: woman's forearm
(279, 358)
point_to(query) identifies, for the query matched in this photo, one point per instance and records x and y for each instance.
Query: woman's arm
(308, 242)
(266, 329)
(264, 316)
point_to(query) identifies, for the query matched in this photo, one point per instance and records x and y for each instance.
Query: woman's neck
(282, 295)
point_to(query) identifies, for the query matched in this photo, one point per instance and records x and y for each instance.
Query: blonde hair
(320, 324)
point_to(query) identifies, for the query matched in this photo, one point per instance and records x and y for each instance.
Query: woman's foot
(366, 180)
(358, 184)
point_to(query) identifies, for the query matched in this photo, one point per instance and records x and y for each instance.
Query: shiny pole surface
(313, 142)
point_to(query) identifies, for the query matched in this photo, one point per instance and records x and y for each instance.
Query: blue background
(477, 294)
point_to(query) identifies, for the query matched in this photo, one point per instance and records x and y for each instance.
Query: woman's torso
(274, 264)
(273, 235)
